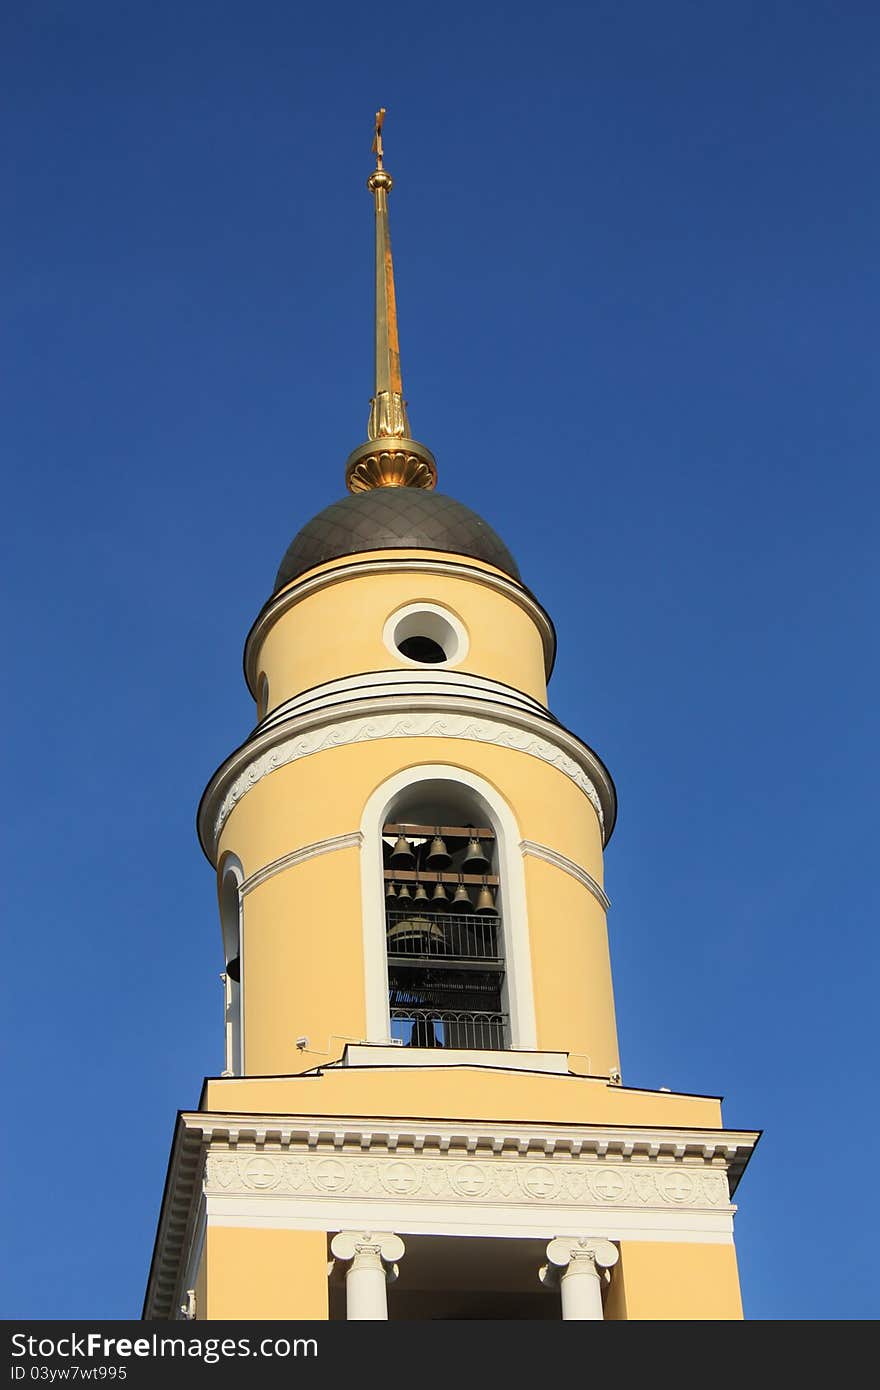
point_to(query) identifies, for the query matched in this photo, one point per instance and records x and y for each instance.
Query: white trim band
(417, 680)
(568, 866)
(299, 856)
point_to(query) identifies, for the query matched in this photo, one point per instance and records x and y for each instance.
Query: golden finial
(390, 458)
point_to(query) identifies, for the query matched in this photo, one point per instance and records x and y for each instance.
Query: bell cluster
(417, 863)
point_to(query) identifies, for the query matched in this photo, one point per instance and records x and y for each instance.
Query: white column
(227, 1023)
(372, 1256)
(575, 1265)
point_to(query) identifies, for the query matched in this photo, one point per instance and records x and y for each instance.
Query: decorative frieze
(441, 1178)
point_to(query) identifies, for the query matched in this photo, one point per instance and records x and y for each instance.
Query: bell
(402, 856)
(438, 856)
(439, 900)
(233, 969)
(460, 901)
(390, 894)
(404, 897)
(486, 902)
(475, 861)
(421, 898)
(414, 936)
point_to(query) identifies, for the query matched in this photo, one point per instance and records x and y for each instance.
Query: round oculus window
(424, 635)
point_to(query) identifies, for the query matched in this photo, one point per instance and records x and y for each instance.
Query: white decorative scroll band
(300, 738)
(439, 1178)
(299, 856)
(568, 866)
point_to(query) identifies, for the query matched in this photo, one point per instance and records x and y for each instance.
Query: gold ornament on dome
(389, 468)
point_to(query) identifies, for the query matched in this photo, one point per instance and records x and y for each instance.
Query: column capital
(577, 1255)
(370, 1257)
(576, 1266)
(365, 1248)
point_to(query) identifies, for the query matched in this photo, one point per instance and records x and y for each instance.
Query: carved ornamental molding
(446, 718)
(440, 1178)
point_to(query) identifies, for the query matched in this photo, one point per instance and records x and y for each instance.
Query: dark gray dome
(393, 518)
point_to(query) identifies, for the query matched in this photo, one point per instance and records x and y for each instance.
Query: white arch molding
(518, 958)
(230, 879)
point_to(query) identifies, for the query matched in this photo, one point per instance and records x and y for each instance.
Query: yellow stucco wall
(663, 1281)
(460, 1093)
(571, 967)
(337, 632)
(302, 963)
(260, 1273)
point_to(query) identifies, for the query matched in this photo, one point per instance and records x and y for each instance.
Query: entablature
(328, 1173)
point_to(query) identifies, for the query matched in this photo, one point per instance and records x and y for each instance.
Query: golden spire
(390, 458)
(388, 408)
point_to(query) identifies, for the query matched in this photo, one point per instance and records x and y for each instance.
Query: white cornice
(323, 1172)
(324, 1133)
(454, 569)
(452, 716)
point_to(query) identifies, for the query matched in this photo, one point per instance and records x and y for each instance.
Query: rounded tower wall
(347, 619)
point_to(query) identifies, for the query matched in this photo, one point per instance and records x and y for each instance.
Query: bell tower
(421, 1086)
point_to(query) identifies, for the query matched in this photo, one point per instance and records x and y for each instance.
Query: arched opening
(262, 695)
(230, 922)
(444, 924)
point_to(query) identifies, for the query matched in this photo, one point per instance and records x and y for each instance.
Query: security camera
(302, 1044)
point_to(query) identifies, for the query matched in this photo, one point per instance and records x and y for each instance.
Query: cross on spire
(377, 137)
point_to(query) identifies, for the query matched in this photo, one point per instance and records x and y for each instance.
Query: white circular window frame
(427, 620)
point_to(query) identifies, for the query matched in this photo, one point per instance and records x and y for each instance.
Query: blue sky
(638, 291)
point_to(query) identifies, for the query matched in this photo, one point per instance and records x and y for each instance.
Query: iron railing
(448, 936)
(476, 1029)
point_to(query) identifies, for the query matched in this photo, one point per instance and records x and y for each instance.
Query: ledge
(381, 1055)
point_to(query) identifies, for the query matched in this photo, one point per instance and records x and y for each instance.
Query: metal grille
(470, 1028)
(444, 981)
(449, 937)
(444, 989)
